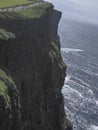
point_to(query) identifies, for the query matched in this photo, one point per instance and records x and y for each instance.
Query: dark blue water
(79, 47)
(80, 53)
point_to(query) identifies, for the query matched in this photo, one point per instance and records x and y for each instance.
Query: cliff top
(11, 3)
(28, 11)
(35, 11)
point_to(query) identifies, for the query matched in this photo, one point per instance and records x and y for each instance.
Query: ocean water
(80, 52)
(79, 48)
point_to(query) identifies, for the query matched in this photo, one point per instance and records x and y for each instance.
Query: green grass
(29, 13)
(10, 3)
(33, 12)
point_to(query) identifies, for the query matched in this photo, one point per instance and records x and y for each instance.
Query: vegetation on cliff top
(10, 3)
(32, 12)
(35, 11)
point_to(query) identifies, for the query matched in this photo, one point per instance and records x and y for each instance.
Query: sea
(79, 49)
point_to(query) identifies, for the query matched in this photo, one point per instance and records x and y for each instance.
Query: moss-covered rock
(5, 35)
(55, 56)
(9, 103)
(67, 124)
(34, 58)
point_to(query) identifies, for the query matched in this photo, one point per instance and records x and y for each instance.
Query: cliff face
(31, 99)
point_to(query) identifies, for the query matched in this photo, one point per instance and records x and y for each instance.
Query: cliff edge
(32, 70)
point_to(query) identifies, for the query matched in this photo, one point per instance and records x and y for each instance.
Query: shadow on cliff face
(34, 59)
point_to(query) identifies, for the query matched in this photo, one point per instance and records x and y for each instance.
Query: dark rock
(34, 58)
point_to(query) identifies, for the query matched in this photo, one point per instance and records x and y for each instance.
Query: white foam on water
(81, 81)
(96, 102)
(81, 86)
(93, 127)
(67, 78)
(68, 92)
(96, 74)
(67, 50)
(77, 95)
(90, 72)
(77, 84)
(91, 92)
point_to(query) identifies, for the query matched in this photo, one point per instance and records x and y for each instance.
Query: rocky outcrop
(34, 99)
(9, 103)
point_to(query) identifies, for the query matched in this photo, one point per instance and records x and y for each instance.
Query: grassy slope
(10, 3)
(33, 12)
(29, 13)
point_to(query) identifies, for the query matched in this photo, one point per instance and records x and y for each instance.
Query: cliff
(32, 71)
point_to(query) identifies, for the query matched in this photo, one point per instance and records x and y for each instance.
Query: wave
(79, 103)
(93, 127)
(71, 92)
(67, 79)
(82, 82)
(78, 84)
(77, 93)
(90, 72)
(67, 50)
(96, 102)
